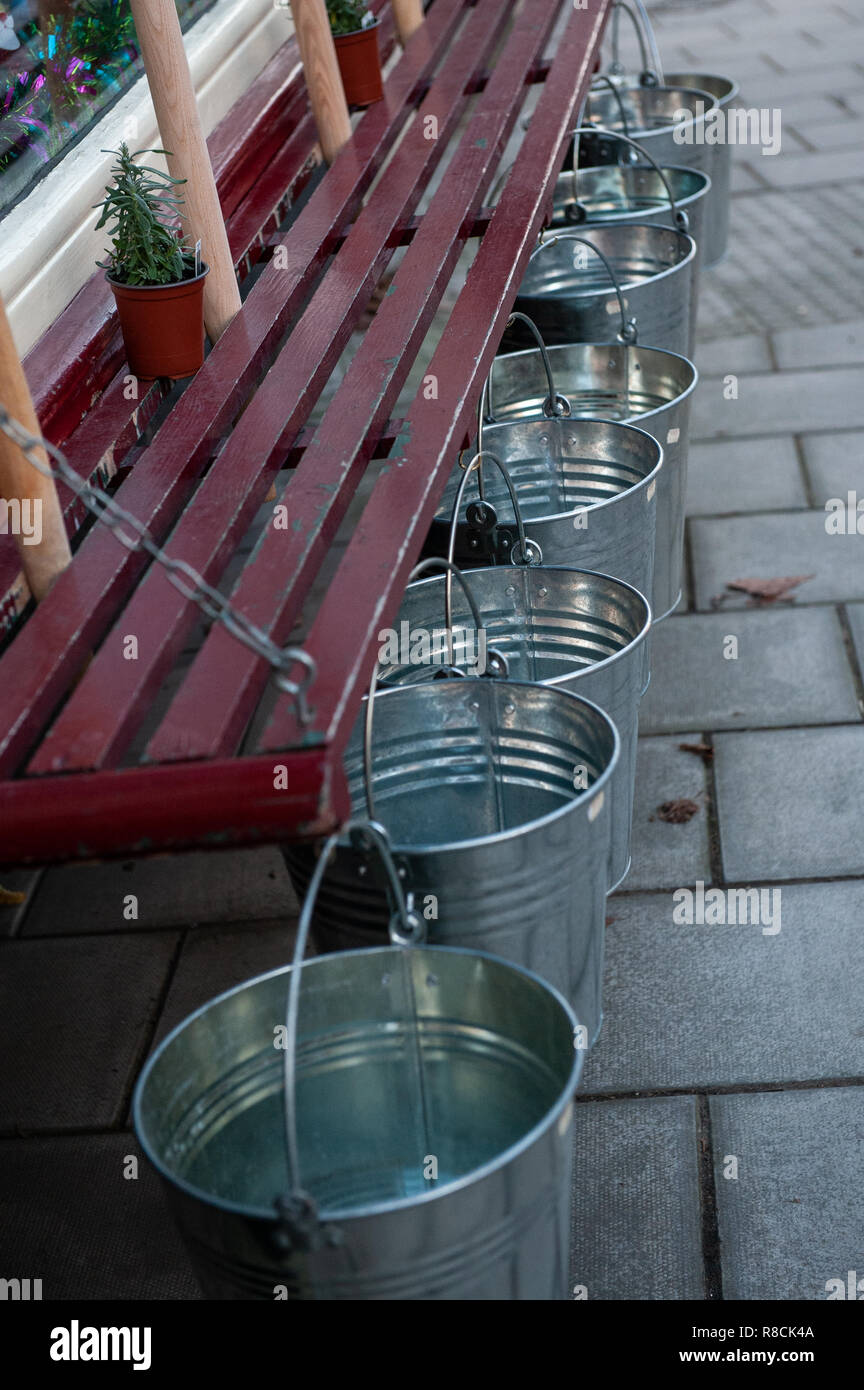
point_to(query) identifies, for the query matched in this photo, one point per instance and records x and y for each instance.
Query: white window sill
(48, 245)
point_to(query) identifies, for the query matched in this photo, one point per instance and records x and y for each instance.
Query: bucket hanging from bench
(576, 282)
(617, 382)
(402, 1131)
(496, 796)
(635, 191)
(568, 628)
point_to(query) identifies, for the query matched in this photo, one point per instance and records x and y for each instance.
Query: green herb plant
(347, 16)
(148, 247)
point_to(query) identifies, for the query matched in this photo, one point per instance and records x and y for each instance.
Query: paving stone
(770, 545)
(807, 170)
(743, 179)
(792, 1220)
(745, 353)
(791, 668)
(742, 475)
(835, 464)
(76, 1016)
(214, 959)
(822, 79)
(790, 802)
(791, 402)
(17, 881)
(690, 1007)
(636, 1222)
(812, 111)
(830, 135)
(855, 614)
(829, 345)
(664, 855)
(71, 1219)
(172, 890)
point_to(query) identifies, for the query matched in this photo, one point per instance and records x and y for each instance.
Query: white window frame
(48, 245)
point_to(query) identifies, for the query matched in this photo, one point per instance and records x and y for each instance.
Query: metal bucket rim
(667, 169)
(622, 652)
(503, 1159)
(734, 84)
(605, 291)
(502, 836)
(570, 421)
(640, 134)
(629, 347)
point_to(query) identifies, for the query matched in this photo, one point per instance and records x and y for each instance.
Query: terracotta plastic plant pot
(360, 65)
(163, 326)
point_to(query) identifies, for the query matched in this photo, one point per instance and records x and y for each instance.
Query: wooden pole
(409, 16)
(323, 79)
(181, 133)
(33, 507)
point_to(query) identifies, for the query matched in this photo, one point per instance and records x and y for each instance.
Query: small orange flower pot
(163, 326)
(360, 65)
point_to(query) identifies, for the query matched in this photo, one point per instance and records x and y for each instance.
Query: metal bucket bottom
(404, 1055)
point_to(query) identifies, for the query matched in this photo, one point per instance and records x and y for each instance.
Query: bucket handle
(627, 332)
(607, 82)
(649, 77)
(497, 667)
(526, 552)
(681, 219)
(554, 398)
(299, 1226)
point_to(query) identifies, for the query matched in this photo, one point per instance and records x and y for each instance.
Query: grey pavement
(734, 987)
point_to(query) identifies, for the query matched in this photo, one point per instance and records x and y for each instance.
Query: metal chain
(185, 579)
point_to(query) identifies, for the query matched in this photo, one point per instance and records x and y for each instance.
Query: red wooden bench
(83, 772)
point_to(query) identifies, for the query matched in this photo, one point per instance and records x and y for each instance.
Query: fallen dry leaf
(701, 750)
(10, 899)
(610, 920)
(768, 590)
(678, 812)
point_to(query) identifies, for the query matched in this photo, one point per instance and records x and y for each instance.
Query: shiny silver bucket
(568, 628)
(653, 117)
(621, 382)
(636, 190)
(497, 799)
(575, 282)
(588, 488)
(724, 91)
(405, 1134)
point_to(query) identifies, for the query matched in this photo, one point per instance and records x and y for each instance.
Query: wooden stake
(181, 133)
(409, 16)
(323, 79)
(33, 504)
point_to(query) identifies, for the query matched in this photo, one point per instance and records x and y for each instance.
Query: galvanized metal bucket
(575, 283)
(588, 489)
(496, 795)
(403, 1133)
(652, 116)
(635, 191)
(568, 628)
(618, 382)
(724, 91)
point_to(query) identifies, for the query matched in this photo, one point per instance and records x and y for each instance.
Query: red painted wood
(144, 810)
(50, 650)
(214, 704)
(103, 711)
(365, 593)
(228, 801)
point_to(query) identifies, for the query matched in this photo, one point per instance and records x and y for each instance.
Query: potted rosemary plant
(355, 34)
(157, 280)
